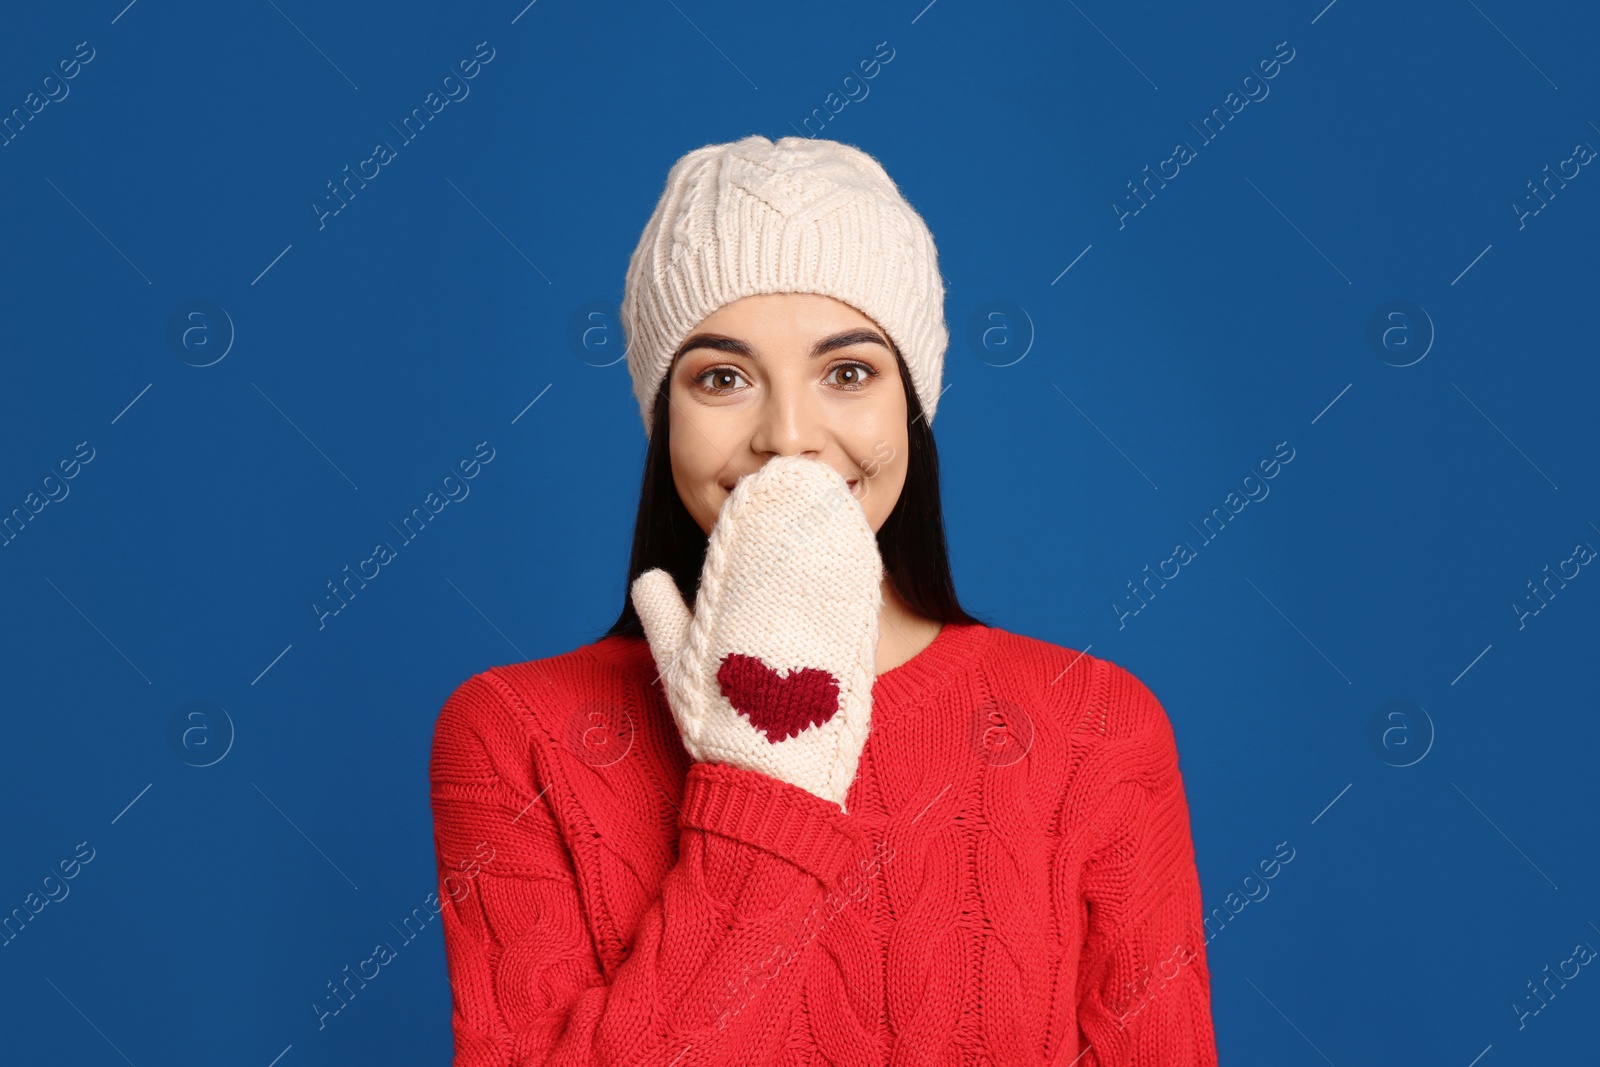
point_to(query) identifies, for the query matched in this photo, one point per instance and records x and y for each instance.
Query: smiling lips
(851, 483)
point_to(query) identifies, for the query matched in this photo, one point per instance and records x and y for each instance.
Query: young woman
(797, 806)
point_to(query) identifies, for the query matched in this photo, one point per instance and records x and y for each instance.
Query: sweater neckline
(952, 649)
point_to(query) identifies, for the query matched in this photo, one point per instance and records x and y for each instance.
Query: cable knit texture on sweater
(1012, 880)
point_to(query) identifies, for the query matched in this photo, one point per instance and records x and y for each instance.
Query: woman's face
(784, 374)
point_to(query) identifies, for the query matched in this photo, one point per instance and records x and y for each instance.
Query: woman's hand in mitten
(773, 671)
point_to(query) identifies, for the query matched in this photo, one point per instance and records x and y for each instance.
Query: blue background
(1437, 869)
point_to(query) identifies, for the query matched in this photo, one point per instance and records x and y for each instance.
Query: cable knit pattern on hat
(1012, 880)
(798, 215)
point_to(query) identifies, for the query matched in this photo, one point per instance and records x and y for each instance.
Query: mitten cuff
(799, 826)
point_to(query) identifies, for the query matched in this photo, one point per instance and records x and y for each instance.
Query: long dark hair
(911, 540)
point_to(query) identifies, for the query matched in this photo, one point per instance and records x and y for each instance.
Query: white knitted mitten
(773, 670)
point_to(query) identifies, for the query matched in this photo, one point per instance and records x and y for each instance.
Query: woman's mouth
(850, 482)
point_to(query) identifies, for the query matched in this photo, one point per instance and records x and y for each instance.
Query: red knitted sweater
(1013, 881)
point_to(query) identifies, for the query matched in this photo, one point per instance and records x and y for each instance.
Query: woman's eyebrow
(722, 343)
(845, 340)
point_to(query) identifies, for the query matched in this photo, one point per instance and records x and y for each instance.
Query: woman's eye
(719, 377)
(859, 374)
(720, 380)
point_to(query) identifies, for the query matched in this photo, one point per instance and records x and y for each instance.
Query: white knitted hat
(800, 215)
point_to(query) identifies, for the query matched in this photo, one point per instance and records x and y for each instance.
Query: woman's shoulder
(1090, 694)
(544, 692)
(612, 662)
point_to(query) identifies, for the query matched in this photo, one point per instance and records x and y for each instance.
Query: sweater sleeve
(715, 958)
(1144, 990)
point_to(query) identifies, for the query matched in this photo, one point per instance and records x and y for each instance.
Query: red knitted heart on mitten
(779, 707)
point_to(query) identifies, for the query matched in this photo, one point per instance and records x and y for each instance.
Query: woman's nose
(788, 425)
